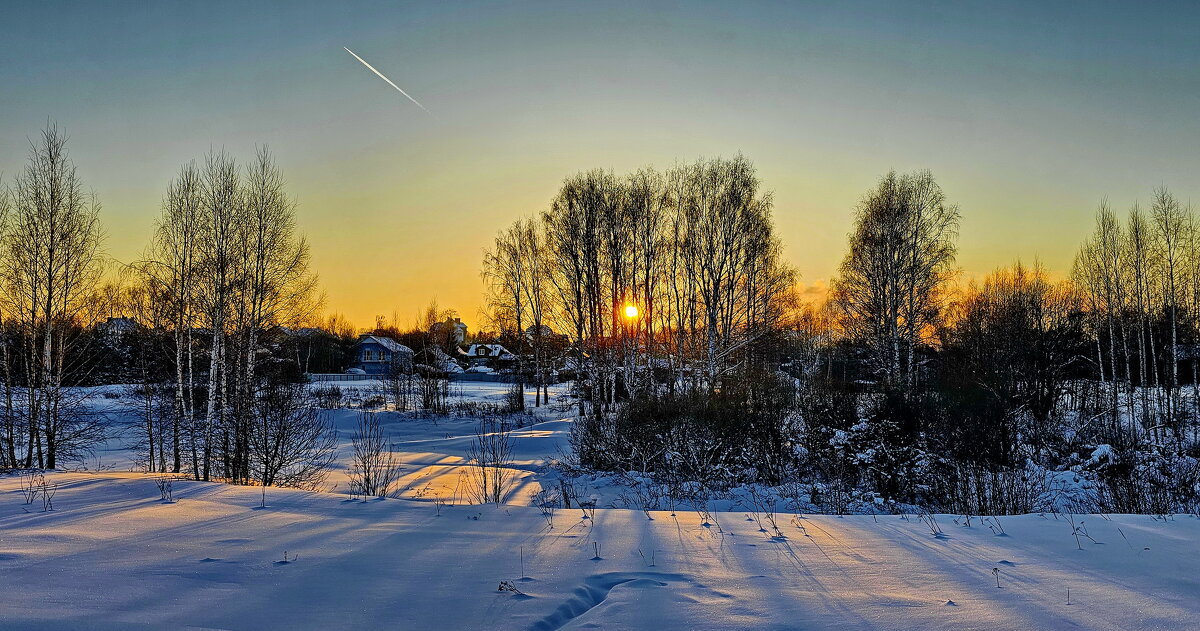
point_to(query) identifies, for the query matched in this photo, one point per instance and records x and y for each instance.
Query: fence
(454, 376)
(337, 376)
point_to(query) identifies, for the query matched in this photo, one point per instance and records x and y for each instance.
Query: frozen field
(112, 555)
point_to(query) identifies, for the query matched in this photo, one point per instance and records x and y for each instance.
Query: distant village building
(492, 356)
(378, 355)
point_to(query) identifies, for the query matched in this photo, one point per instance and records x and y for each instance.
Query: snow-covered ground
(112, 555)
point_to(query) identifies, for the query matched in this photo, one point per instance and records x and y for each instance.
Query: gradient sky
(1027, 115)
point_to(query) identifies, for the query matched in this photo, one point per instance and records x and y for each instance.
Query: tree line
(666, 296)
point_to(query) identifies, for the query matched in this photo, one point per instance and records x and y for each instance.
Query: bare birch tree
(52, 263)
(892, 283)
(172, 264)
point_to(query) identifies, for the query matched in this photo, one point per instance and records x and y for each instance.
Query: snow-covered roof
(487, 350)
(386, 342)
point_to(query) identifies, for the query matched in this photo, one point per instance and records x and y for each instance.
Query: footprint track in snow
(595, 591)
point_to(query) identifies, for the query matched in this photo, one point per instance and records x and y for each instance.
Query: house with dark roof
(492, 356)
(378, 355)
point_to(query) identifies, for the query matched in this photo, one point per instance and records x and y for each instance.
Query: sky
(1027, 115)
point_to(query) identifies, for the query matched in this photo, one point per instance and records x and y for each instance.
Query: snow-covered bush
(975, 489)
(328, 397)
(740, 433)
(1143, 480)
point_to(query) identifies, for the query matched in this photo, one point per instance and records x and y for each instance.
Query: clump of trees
(1010, 355)
(892, 287)
(230, 276)
(671, 287)
(1140, 283)
(50, 263)
(972, 397)
(887, 301)
(203, 328)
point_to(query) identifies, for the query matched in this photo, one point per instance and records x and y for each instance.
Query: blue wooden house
(378, 355)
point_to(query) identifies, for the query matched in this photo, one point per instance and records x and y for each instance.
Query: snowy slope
(112, 555)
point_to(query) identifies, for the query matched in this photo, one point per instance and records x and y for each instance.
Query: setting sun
(631, 311)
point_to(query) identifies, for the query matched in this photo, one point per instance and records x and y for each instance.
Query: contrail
(372, 68)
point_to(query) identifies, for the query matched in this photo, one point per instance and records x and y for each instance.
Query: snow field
(113, 555)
